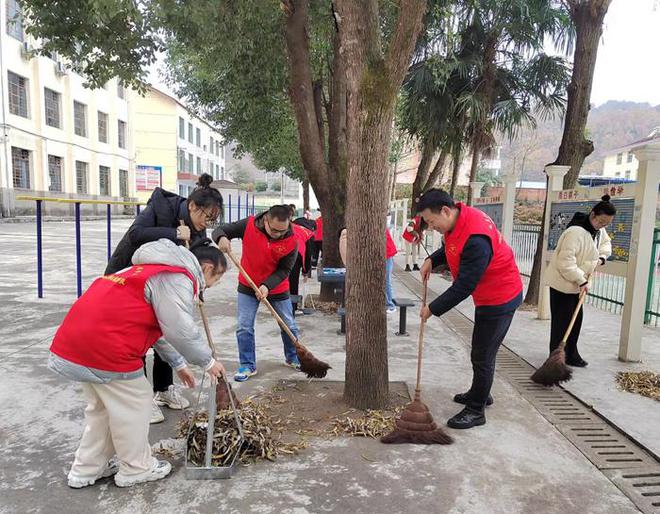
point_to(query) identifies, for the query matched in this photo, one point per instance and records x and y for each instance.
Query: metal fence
(523, 241)
(607, 291)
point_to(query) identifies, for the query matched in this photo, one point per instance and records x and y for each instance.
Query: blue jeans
(389, 265)
(247, 312)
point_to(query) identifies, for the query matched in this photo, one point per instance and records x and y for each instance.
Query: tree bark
(587, 17)
(328, 179)
(372, 81)
(456, 168)
(305, 185)
(476, 151)
(422, 175)
(436, 172)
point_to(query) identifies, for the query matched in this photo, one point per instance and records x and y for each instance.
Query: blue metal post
(109, 213)
(229, 207)
(40, 278)
(78, 260)
(247, 204)
(238, 205)
(137, 210)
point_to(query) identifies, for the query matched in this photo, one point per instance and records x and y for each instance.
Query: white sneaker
(391, 310)
(156, 413)
(111, 468)
(160, 469)
(172, 398)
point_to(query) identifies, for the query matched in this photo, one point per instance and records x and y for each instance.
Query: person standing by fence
(161, 219)
(412, 235)
(582, 247)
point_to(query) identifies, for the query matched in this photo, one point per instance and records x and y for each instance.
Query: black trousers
(487, 336)
(294, 280)
(162, 373)
(318, 250)
(562, 306)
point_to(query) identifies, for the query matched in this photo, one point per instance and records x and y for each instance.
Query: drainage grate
(634, 471)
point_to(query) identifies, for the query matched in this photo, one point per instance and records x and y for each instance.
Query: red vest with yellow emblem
(111, 326)
(261, 256)
(500, 282)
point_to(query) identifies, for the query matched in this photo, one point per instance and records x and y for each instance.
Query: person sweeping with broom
(583, 246)
(482, 265)
(269, 254)
(104, 337)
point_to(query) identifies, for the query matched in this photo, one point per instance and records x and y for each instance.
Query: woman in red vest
(269, 253)
(482, 265)
(412, 235)
(104, 337)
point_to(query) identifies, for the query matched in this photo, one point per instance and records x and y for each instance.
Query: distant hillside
(610, 126)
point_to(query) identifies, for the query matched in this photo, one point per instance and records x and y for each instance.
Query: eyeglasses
(210, 218)
(275, 230)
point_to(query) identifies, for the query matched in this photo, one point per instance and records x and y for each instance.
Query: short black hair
(604, 207)
(434, 200)
(280, 212)
(204, 250)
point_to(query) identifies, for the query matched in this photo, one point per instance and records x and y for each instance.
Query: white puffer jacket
(575, 257)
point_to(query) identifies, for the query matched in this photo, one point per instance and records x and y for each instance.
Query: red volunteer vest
(390, 247)
(318, 234)
(412, 235)
(111, 326)
(302, 235)
(501, 281)
(261, 256)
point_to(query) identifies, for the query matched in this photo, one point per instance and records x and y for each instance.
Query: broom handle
(583, 296)
(420, 346)
(277, 317)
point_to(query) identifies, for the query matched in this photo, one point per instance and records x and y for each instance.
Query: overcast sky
(628, 65)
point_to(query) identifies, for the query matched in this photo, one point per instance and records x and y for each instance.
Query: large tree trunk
(373, 81)
(327, 180)
(587, 17)
(436, 172)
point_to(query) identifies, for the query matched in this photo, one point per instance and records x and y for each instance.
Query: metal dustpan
(208, 471)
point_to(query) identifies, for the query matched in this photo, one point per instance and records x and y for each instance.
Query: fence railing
(608, 291)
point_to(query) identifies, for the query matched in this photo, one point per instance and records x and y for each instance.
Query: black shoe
(467, 418)
(463, 398)
(577, 362)
(415, 267)
(408, 267)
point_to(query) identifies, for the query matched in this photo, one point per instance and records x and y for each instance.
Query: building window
(190, 162)
(182, 160)
(627, 174)
(14, 20)
(217, 148)
(54, 173)
(121, 134)
(199, 137)
(20, 161)
(211, 144)
(182, 128)
(80, 119)
(104, 180)
(190, 133)
(182, 191)
(18, 95)
(222, 151)
(617, 174)
(82, 170)
(630, 157)
(123, 183)
(121, 91)
(52, 102)
(222, 172)
(619, 158)
(199, 165)
(103, 127)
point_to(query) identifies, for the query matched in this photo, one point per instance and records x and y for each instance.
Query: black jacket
(158, 220)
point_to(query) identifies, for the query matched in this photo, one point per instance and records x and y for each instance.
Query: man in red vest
(269, 253)
(482, 265)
